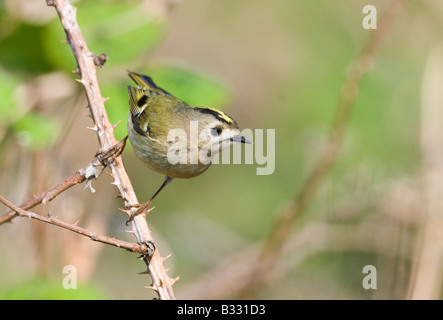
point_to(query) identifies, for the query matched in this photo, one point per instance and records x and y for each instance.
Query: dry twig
(133, 247)
(92, 170)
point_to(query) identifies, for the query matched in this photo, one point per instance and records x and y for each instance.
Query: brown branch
(86, 68)
(133, 247)
(92, 170)
(349, 92)
(47, 195)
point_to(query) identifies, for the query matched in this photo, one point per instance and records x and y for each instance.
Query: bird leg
(143, 207)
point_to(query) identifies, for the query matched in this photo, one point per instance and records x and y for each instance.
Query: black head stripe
(142, 101)
(217, 114)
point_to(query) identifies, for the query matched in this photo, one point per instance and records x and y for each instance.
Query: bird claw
(148, 248)
(141, 208)
(113, 152)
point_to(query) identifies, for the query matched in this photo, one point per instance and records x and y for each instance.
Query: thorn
(105, 99)
(94, 128)
(115, 125)
(89, 185)
(144, 272)
(166, 258)
(76, 223)
(128, 212)
(152, 288)
(76, 71)
(173, 281)
(81, 81)
(65, 41)
(110, 174)
(130, 231)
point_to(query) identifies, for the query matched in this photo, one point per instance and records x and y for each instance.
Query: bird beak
(241, 139)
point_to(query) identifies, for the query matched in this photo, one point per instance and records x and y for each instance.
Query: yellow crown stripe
(221, 114)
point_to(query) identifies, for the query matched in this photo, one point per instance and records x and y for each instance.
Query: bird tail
(147, 82)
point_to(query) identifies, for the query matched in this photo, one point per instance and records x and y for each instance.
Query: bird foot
(142, 208)
(113, 152)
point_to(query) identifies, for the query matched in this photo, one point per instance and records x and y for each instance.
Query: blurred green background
(276, 65)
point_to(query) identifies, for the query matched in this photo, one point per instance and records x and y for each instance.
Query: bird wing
(138, 102)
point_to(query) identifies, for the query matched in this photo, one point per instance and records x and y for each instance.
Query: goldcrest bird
(155, 114)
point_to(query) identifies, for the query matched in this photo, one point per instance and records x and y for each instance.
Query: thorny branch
(87, 63)
(48, 195)
(133, 247)
(92, 170)
(86, 68)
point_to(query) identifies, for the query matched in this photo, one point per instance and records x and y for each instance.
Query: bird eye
(216, 131)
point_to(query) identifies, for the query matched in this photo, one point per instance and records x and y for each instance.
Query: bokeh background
(270, 65)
